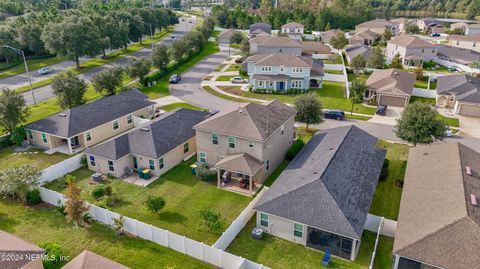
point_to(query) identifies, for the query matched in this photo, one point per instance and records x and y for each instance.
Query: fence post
(202, 255)
(136, 229)
(151, 233)
(184, 244)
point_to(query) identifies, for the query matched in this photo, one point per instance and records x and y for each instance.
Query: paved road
(180, 29)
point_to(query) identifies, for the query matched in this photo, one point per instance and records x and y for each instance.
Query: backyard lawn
(336, 72)
(40, 160)
(424, 84)
(174, 106)
(184, 194)
(278, 253)
(386, 201)
(46, 225)
(352, 77)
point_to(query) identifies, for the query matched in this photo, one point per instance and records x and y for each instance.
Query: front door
(281, 85)
(135, 165)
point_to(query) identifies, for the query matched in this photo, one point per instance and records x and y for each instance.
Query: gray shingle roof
(355, 50)
(262, 26)
(82, 118)
(465, 87)
(330, 183)
(154, 139)
(465, 56)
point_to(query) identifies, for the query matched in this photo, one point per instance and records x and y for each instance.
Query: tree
(118, 225)
(376, 59)
(75, 208)
(160, 56)
(237, 38)
(138, 67)
(420, 124)
(387, 35)
(309, 109)
(358, 62)
(412, 28)
(13, 109)
(357, 89)
(19, 181)
(18, 135)
(245, 47)
(155, 204)
(108, 80)
(211, 219)
(418, 71)
(397, 61)
(339, 41)
(69, 89)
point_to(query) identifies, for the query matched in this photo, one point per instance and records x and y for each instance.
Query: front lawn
(276, 253)
(184, 194)
(386, 201)
(224, 96)
(352, 77)
(174, 106)
(225, 78)
(336, 72)
(47, 225)
(35, 157)
(234, 67)
(453, 122)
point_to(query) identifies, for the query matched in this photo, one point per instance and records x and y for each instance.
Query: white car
(239, 80)
(44, 70)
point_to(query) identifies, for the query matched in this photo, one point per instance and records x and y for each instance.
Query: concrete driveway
(393, 113)
(470, 126)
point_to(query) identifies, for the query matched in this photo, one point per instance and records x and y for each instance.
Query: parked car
(175, 78)
(452, 69)
(44, 70)
(381, 110)
(189, 21)
(172, 37)
(435, 35)
(334, 114)
(239, 80)
(240, 60)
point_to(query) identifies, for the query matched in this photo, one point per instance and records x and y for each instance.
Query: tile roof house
(402, 23)
(245, 145)
(439, 220)
(157, 145)
(83, 126)
(413, 50)
(224, 37)
(327, 35)
(471, 41)
(461, 93)
(293, 30)
(258, 33)
(90, 260)
(264, 27)
(27, 255)
(457, 55)
(316, 50)
(275, 44)
(378, 26)
(366, 37)
(471, 29)
(322, 199)
(426, 24)
(281, 71)
(391, 87)
(458, 25)
(355, 50)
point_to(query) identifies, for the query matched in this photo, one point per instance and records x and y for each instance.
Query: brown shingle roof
(292, 24)
(472, 38)
(90, 260)
(277, 59)
(313, 46)
(458, 25)
(275, 41)
(391, 81)
(409, 41)
(377, 23)
(437, 223)
(227, 33)
(12, 245)
(241, 163)
(473, 26)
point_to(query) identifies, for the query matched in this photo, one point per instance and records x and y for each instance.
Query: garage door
(469, 110)
(392, 100)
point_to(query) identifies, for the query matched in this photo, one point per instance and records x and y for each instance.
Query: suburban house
(402, 24)
(81, 127)
(224, 37)
(458, 25)
(391, 87)
(90, 260)
(281, 71)
(327, 35)
(293, 30)
(459, 92)
(316, 50)
(439, 220)
(366, 37)
(158, 145)
(355, 50)
(457, 55)
(471, 42)
(413, 50)
(426, 24)
(19, 254)
(275, 44)
(321, 200)
(378, 26)
(258, 33)
(472, 29)
(263, 27)
(247, 144)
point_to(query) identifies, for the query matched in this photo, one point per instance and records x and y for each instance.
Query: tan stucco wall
(392, 49)
(283, 228)
(465, 45)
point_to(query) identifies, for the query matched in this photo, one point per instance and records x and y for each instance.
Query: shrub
(155, 204)
(384, 172)
(294, 149)
(17, 136)
(53, 253)
(205, 174)
(211, 219)
(98, 191)
(108, 190)
(5, 142)
(33, 197)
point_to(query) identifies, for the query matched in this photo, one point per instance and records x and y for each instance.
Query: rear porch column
(250, 185)
(353, 256)
(69, 143)
(396, 262)
(218, 177)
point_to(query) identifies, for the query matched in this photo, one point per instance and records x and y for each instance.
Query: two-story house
(275, 44)
(83, 126)
(413, 50)
(280, 72)
(293, 29)
(471, 41)
(472, 29)
(378, 26)
(247, 144)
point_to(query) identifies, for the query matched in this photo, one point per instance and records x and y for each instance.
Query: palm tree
(357, 89)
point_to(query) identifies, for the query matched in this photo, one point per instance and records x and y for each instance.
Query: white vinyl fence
(334, 77)
(460, 66)
(388, 228)
(62, 168)
(237, 225)
(424, 93)
(192, 248)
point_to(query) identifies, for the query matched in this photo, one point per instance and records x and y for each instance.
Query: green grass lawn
(453, 122)
(276, 253)
(356, 117)
(234, 67)
(174, 106)
(418, 99)
(220, 67)
(225, 78)
(352, 77)
(336, 72)
(39, 160)
(386, 201)
(226, 97)
(424, 84)
(33, 64)
(161, 89)
(184, 194)
(47, 225)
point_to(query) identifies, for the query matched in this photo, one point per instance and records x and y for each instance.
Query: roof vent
(473, 199)
(468, 170)
(145, 129)
(331, 148)
(62, 115)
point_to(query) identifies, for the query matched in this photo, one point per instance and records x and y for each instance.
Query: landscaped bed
(184, 194)
(34, 157)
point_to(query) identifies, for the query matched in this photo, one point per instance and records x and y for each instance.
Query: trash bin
(194, 168)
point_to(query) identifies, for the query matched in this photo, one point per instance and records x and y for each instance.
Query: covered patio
(239, 173)
(270, 82)
(413, 60)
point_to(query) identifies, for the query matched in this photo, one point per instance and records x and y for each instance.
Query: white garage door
(469, 110)
(392, 100)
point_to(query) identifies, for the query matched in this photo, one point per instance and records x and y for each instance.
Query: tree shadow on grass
(172, 217)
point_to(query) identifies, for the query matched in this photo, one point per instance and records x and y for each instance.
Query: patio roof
(240, 163)
(270, 77)
(413, 57)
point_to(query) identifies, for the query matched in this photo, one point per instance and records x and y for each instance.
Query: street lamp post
(18, 51)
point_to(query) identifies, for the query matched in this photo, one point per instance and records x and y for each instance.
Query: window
(458, 43)
(297, 84)
(298, 230)
(115, 124)
(135, 164)
(266, 68)
(251, 143)
(297, 70)
(267, 164)
(215, 138)
(160, 163)
(151, 163)
(203, 157)
(30, 135)
(92, 160)
(260, 83)
(423, 50)
(129, 119)
(270, 83)
(231, 142)
(264, 220)
(474, 44)
(44, 138)
(185, 148)
(281, 68)
(110, 166)
(88, 135)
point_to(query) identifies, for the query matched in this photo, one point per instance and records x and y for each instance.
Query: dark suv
(335, 114)
(381, 110)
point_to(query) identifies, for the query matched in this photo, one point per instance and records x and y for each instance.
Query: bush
(384, 172)
(5, 142)
(294, 149)
(53, 253)
(429, 64)
(33, 197)
(155, 204)
(98, 191)
(211, 219)
(205, 174)
(17, 136)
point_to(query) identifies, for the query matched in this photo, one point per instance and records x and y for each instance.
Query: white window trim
(30, 135)
(46, 138)
(88, 133)
(251, 144)
(113, 125)
(131, 119)
(200, 157)
(234, 142)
